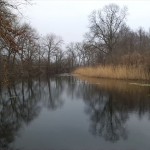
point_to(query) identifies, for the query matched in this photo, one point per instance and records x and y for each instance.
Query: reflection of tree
(105, 120)
(108, 114)
(18, 105)
(109, 110)
(71, 85)
(21, 103)
(9, 124)
(52, 98)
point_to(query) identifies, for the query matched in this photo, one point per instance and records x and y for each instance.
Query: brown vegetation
(111, 49)
(114, 72)
(118, 51)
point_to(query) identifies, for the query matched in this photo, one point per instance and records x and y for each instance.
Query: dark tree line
(23, 51)
(109, 41)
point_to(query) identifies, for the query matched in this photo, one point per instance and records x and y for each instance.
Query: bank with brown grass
(114, 72)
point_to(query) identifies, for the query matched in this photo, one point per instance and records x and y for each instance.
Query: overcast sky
(69, 18)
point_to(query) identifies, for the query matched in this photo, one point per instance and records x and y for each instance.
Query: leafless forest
(109, 41)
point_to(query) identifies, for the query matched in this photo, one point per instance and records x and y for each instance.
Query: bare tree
(7, 18)
(52, 44)
(72, 55)
(105, 25)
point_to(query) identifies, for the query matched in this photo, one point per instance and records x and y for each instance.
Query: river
(74, 113)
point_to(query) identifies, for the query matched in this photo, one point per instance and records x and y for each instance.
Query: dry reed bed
(115, 72)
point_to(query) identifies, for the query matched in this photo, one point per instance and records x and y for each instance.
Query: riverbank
(114, 72)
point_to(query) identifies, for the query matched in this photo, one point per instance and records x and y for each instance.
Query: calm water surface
(72, 113)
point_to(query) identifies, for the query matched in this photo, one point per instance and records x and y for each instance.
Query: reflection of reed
(109, 104)
(116, 85)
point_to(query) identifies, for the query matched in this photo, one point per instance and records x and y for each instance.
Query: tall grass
(114, 72)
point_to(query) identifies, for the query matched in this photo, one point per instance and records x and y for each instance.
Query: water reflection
(106, 120)
(20, 103)
(108, 104)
